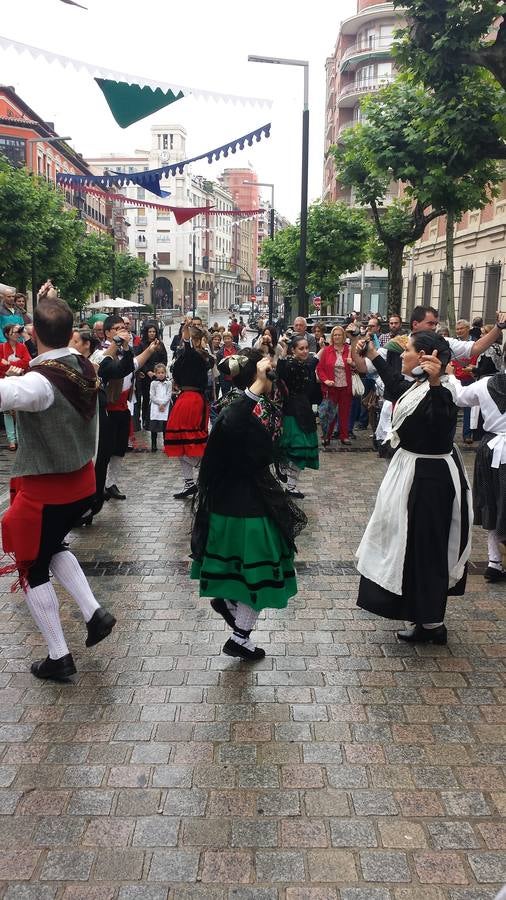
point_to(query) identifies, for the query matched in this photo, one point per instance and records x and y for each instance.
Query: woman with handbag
(334, 371)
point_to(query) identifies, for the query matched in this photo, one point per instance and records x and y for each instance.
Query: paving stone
(116, 865)
(185, 803)
(331, 865)
(30, 892)
(352, 833)
(303, 833)
(384, 866)
(374, 803)
(328, 802)
(67, 865)
(364, 893)
(108, 832)
(439, 868)
(57, 831)
(173, 866)
(465, 803)
(452, 835)
(155, 831)
(253, 833)
(279, 866)
(227, 867)
(488, 867)
(402, 835)
(143, 892)
(17, 864)
(494, 834)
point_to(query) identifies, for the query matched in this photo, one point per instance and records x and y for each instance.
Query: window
(171, 141)
(164, 259)
(165, 141)
(466, 291)
(443, 295)
(411, 296)
(427, 289)
(492, 285)
(141, 193)
(384, 72)
(142, 256)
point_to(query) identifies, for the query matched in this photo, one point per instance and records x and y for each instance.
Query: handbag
(357, 385)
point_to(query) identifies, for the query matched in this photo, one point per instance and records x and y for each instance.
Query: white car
(245, 309)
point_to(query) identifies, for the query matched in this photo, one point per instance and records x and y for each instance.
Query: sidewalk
(345, 766)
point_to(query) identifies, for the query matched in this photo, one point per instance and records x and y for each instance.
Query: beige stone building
(480, 264)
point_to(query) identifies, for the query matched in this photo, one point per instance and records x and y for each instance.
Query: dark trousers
(57, 521)
(143, 390)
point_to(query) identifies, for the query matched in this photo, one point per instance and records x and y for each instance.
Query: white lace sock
(293, 473)
(114, 471)
(44, 607)
(245, 620)
(189, 466)
(494, 551)
(68, 572)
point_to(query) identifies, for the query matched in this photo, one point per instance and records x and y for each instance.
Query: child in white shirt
(159, 395)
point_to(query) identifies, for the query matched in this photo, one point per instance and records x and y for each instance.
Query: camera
(118, 341)
(363, 351)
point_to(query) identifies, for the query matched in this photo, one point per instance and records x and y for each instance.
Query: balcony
(365, 50)
(142, 245)
(352, 93)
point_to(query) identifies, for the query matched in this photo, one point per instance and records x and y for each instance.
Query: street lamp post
(271, 235)
(279, 61)
(194, 274)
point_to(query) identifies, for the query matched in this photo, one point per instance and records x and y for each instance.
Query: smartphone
(419, 373)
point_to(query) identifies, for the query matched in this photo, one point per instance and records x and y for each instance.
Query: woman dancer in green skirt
(245, 525)
(299, 441)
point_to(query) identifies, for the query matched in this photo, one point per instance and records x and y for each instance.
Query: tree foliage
(129, 271)
(337, 239)
(444, 39)
(412, 136)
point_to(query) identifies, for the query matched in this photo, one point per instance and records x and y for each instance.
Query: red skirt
(187, 426)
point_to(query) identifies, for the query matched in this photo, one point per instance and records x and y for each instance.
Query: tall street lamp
(279, 61)
(271, 235)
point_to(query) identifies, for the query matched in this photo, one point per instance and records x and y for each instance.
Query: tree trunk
(395, 259)
(450, 270)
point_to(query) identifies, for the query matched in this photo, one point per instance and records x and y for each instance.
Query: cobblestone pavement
(345, 765)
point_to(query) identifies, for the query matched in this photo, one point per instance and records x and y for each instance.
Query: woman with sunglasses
(14, 360)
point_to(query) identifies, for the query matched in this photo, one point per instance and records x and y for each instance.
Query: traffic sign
(317, 301)
(259, 289)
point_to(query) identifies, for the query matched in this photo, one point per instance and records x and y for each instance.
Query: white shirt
(494, 421)
(31, 392)
(460, 349)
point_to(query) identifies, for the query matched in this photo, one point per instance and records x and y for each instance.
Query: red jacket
(326, 366)
(22, 355)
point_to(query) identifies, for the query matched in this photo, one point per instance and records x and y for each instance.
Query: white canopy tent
(115, 303)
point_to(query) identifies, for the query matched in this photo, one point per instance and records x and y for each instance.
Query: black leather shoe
(113, 493)
(186, 492)
(417, 634)
(297, 494)
(85, 521)
(232, 648)
(100, 625)
(222, 609)
(492, 575)
(54, 669)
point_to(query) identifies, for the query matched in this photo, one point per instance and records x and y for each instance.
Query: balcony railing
(141, 244)
(378, 45)
(366, 86)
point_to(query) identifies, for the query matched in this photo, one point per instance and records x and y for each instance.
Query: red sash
(22, 523)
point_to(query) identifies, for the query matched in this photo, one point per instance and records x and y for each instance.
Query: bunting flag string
(181, 213)
(131, 97)
(150, 180)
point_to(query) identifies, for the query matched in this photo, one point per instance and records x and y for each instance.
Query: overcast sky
(201, 44)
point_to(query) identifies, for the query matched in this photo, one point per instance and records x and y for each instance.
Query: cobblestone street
(345, 766)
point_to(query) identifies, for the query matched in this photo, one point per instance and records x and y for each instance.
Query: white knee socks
(113, 471)
(189, 466)
(293, 473)
(494, 551)
(68, 572)
(43, 605)
(245, 619)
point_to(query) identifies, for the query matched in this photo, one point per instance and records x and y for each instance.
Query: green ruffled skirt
(300, 447)
(246, 560)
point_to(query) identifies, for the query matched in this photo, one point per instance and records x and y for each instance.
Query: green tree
(437, 152)
(337, 239)
(93, 258)
(444, 38)
(129, 271)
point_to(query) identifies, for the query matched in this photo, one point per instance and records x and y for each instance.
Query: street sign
(259, 289)
(317, 301)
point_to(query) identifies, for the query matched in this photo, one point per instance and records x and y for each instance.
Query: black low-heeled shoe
(417, 634)
(99, 627)
(54, 669)
(232, 648)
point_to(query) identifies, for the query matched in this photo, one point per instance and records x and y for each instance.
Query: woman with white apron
(489, 482)
(417, 543)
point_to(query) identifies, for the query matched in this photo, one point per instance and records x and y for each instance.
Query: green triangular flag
(130, 102)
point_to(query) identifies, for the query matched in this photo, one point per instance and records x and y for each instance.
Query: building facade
(480, 265)
(224, 245)
(362, 62)
(27, 140)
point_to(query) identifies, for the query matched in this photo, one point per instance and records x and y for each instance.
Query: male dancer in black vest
(53, 483)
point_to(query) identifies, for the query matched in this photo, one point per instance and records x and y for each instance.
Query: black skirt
(489, 491)
(425, 575)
